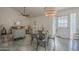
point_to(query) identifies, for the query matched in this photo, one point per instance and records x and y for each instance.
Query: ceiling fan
(24, 13)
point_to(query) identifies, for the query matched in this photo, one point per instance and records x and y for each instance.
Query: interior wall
(9, 16)
(42, 21)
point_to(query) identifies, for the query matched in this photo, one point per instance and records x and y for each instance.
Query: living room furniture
(2, 33)
(42, 39)
(18, 33)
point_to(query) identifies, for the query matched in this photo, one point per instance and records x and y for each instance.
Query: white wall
(8, 16)
(44, 21)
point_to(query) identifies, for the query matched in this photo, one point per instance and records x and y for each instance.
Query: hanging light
(50, 11)
(24, 13)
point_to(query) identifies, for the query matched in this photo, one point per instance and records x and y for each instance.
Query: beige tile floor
(25, 45)
(20, 45)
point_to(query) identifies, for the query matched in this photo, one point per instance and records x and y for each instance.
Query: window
(62, 21)
(73, 22)
(73, 44)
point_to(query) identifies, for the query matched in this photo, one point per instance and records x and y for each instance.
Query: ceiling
(34, 11)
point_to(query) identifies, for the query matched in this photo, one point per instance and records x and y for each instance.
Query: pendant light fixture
(50, 11)
(24, 13)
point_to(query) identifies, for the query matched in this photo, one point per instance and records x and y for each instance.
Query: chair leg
(2, 38)
(37, 45)
(31, 40)
(45, 45)
(45, 48)
(47, 42)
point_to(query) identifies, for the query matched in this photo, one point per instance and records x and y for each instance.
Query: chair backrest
(42, 35)
(3, 30)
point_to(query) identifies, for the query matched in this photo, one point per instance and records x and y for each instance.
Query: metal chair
(41, 40)
(3, 34)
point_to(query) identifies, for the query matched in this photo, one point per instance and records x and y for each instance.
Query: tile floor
(21, 45)
(25, 45)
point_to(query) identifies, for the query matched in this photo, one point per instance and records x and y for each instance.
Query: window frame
(62, 24)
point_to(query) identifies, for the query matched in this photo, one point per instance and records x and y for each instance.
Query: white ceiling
(34, 11)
